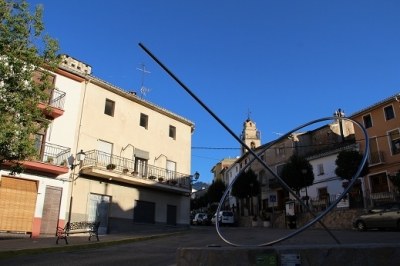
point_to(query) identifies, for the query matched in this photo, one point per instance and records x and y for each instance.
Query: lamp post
(194, 178)
(80, 157)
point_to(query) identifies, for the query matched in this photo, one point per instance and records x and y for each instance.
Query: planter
(152, 177)
(126, 170)
(111, 166)
(160, 179)
(134, 173)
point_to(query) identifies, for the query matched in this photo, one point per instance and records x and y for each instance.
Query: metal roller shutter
(17, 204)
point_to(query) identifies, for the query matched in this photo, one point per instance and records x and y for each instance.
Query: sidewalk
(12, 244)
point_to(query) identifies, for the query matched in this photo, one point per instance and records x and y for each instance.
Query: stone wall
(336, 219)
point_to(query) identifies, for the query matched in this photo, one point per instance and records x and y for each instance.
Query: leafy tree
(297, 173)
(246, 185)
(216, 191)
(25, 52)
(199, 202)
(347, 164)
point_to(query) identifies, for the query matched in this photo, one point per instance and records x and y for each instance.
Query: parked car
(386, 216)
(224, 218)
(200, 218)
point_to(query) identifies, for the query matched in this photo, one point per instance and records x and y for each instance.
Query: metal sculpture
(317, 218)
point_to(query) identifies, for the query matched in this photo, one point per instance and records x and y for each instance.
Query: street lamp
(80, 157)
(192, 178)
(195, 177)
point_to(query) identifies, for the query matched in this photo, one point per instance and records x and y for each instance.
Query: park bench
(91, 228)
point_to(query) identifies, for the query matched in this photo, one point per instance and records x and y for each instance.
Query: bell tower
(250, 135)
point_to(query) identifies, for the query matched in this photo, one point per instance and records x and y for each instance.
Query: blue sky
(284, 62)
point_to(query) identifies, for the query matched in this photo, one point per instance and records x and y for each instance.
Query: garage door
(17, 204)
(144, 212)
(51, 210)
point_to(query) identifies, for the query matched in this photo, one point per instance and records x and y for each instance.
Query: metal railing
(138, 169)
(53, 153)
(57, 99)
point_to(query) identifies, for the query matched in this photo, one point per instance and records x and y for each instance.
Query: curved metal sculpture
(317, 218)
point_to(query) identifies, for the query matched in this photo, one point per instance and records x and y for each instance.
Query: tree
(246, 185)
(347, 164)
(25, 52)
(216, 191)
(297, 173)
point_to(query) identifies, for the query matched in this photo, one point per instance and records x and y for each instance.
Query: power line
(299, 146)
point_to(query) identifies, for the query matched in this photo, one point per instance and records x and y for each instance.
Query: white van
(224, 218)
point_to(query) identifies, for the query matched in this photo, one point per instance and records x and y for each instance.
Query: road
(162, 251)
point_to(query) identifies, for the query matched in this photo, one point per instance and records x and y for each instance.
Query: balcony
(110, 167)
(376, 157)
(55, 107)
(51, 159)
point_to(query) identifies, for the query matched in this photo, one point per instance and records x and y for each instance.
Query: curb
(72, 247)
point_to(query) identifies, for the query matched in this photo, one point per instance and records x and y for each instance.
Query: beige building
(136, 166)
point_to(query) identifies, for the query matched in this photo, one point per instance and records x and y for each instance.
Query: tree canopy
(297, 173)
(216, 191)
(347, 164)
(25, 51)
(246, 185)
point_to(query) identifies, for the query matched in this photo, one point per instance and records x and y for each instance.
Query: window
(323, 193)
(171, 169)
(172, 132)
(105, 151)
(367, 121)
(394, 138)
(280, 151)
(141, 166)
(375, 156)
(279, 169)
(144, 120)
(379, 183)
(320, 169)
(109, 108)
(389, 112)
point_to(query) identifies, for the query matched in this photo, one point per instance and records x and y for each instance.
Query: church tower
(250, 135)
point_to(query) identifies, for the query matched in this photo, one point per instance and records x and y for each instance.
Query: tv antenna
(143, 90)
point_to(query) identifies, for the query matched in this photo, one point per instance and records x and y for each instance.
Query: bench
(78, 227)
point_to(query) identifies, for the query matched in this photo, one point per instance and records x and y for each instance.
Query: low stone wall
(336, 219)
(311, 255)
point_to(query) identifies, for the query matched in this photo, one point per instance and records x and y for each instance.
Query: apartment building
(136, 165)
(107, 155)
(36, 200)
(382, 123)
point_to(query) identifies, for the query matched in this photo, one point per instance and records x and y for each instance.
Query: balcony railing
(57, 99)
(138, 169)
(52, 153)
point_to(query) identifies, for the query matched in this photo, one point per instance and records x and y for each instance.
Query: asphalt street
(162, 250)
